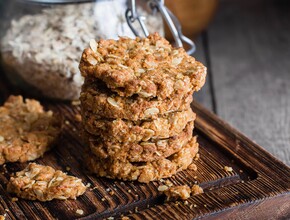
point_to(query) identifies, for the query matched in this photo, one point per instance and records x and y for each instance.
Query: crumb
(67, 168)
(125, 218)
(76, 102)
(162, 188)
(103, 199)
(111, 193)
(14, 199)
(108, 189)
(194, 205)
(192, 167)
(111, 218)
(196, 189)
(88, 185)
(136, 209)
(177, 192)
(67, 122)
(78, 117)
(2, 217)
(185, 202)
(228, 169)
(196, 156)
(168, 183)
(205, 205)
(80, 211)
(129, 190)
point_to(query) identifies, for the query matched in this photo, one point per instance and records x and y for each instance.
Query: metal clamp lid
(168, 16)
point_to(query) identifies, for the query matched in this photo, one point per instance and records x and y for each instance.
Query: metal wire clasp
(170, 19)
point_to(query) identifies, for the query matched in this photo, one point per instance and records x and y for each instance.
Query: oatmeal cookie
(43, 183)
(119, 130)
(106, 104)
(26, 130)
(144, 151)
(148, 67)
(144, 172)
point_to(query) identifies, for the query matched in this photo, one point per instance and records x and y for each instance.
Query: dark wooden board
(259, 186)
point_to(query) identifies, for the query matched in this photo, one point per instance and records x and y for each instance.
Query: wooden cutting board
(258, 187)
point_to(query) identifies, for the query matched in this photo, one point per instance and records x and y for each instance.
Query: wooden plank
(204, 96)
(249, 53)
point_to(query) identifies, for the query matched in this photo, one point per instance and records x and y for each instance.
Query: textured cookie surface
(148, 67)
(143, 151)
(106, 104)
(144, 172)
(119, 130)
(26, 130)
(43, 183)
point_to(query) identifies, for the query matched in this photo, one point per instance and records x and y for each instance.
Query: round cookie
(26, 130)
(148, 67)
(144, 172)
(140, 151)
(134, 131)
(105, 104)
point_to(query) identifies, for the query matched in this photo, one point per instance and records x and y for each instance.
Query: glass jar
(42, 41)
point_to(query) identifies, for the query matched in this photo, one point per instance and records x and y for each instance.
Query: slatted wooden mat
(258, 186)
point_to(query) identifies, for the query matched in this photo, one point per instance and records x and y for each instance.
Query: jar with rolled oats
(42, 40)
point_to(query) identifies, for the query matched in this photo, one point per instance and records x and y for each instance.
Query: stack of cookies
(135, 105)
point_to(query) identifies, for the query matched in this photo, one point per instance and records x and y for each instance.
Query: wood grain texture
(258, 181)
(249, 52)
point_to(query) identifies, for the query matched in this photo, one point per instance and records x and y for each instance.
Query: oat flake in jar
(42, 41)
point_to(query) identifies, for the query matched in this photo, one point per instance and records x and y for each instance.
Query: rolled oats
(44, 49)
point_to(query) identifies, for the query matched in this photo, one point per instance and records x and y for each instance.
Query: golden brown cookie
(140, 151)
(106, 104)
(26, 130)
(147, 67)
(146, 171)
(43, 183)
(118, 130)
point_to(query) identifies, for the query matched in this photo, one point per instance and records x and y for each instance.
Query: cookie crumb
(1, 138)
(14, 199)
(103, 199)
(162, 188)
(78, 117)
(67, 122)
(67, 168)
(177, 192)
(185, 202)
(192, 167)
(76, 102)
(88, 185)
(228, 169)
(129, 190)
(196, 189)
(111, 218)
(125, 218)
(80, 211)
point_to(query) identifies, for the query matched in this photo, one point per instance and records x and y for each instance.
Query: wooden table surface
(247, 51)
